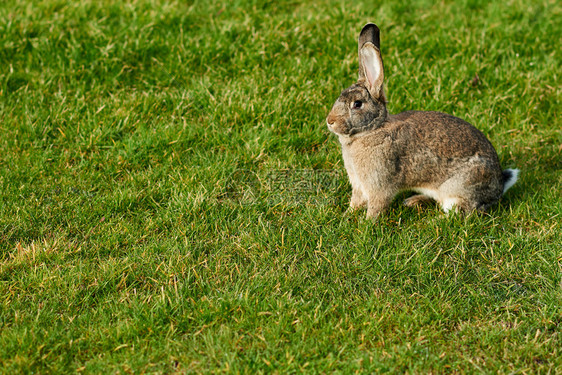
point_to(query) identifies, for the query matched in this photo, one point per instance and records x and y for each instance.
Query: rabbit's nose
(330, 120)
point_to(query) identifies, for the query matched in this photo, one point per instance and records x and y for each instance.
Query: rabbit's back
(446, 136)
(429, 148)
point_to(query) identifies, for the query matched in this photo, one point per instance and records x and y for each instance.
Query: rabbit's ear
(370, 61)
(370, 33)
(371, 69)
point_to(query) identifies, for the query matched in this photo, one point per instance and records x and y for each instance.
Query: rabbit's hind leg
(449, 204)
(417, 200)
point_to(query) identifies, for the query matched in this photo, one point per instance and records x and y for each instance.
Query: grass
(155, 214)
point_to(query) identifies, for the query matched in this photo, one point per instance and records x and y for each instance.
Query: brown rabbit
(437, 155)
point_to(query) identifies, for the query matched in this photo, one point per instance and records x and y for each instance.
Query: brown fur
(438, 155)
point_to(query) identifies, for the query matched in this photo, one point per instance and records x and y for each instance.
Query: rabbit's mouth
(336, 129)
(344, 129)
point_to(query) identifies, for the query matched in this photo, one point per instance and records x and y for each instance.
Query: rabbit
(439, 156)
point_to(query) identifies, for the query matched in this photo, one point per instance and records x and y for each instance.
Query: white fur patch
(449, 203)
(514, 176)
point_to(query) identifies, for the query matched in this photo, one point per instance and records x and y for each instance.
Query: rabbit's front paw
(357, 200)
(376, 206)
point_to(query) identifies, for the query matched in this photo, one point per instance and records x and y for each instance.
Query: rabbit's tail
(509, 178)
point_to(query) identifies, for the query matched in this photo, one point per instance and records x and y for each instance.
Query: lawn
(171, 200)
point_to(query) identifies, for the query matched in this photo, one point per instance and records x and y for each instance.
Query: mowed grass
(152, 210)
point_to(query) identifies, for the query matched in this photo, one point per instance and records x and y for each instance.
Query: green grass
(150, 212)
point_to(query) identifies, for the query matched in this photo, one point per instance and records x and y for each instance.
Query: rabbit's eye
(357, 104)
